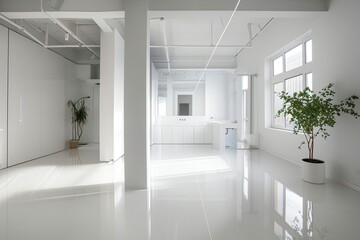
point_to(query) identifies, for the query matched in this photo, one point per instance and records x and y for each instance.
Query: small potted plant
(78, 119)
(312, 114)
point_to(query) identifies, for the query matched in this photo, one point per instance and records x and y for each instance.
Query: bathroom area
(192, 107)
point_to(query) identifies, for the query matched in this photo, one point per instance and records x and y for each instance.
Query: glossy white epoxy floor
(196, 193)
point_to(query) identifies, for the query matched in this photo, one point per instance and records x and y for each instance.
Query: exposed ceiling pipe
(72, 46)
(256, 35)
(165, 43)
(217, 44)
(67, 30)
(250, 34)
(47, 34)
(21, 28)
(211, 33)
(200, 46)
(193, 60)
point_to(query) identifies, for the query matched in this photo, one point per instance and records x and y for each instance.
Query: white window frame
(303, 70)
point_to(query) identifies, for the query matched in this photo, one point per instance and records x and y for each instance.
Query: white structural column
(111, 96)
(137, 94)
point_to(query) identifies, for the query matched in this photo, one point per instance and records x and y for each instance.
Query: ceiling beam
(92, 6)
(246, 5)
(61, 14)
(102, 24)
(198, 46)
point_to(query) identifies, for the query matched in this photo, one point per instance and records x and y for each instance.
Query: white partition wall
(111, 96)
(3, 95)
(37, 100)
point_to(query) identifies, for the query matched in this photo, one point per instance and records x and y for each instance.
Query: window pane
(294, 84)
(278, 65)
(308, 46)
(245, 82)
(279, 198)
(293, 58)
(278, 230)
(294, 211)
(278, 88)
(309, 81)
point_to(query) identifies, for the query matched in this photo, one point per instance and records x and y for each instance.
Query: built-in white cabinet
(199, 132)
(177, 134)
(166, 134)
(185, 134)
(208, 135)
(188, 134)
(3, 96)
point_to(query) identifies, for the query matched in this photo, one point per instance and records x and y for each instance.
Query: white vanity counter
(183, 130)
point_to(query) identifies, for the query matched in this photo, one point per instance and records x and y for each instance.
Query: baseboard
(298, 163)
(346, 183)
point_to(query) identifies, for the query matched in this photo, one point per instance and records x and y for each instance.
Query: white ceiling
(183, 28)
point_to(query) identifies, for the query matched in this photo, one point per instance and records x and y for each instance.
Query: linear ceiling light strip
(221, 36)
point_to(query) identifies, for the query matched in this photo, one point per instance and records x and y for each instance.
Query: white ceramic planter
(313, 172)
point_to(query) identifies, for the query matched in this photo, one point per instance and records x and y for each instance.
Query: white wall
(336, 54)
(91, 128)
(3, 95)
(38, 81)
(111, 96)
(216, 96)
(154, 102)
(118, 95)
(199, 101)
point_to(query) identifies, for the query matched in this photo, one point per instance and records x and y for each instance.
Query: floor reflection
(259, 196)
(196, 193)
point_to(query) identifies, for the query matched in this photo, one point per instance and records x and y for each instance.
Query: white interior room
(181, 139)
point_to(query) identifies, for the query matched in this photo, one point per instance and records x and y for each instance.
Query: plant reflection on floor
(294, 216)
(312, 230)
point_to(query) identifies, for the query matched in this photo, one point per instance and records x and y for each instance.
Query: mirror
(184, 103)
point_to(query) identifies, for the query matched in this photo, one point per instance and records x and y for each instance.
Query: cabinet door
(166, 134)
(177, 134)
(199, 132)
(188, 134)
(208, 134)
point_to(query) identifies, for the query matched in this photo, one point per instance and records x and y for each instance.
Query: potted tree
(312, 114)
(78, 119)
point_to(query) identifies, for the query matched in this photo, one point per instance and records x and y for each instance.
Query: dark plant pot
(73, 144)
(313, 171)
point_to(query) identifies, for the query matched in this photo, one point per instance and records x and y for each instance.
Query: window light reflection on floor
(188, 166)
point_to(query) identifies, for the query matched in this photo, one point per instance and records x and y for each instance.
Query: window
(294, 84)
(291, 72)
(278, 65)
(293, 58)
(309, 81)
(308, 46)
(278, 88)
